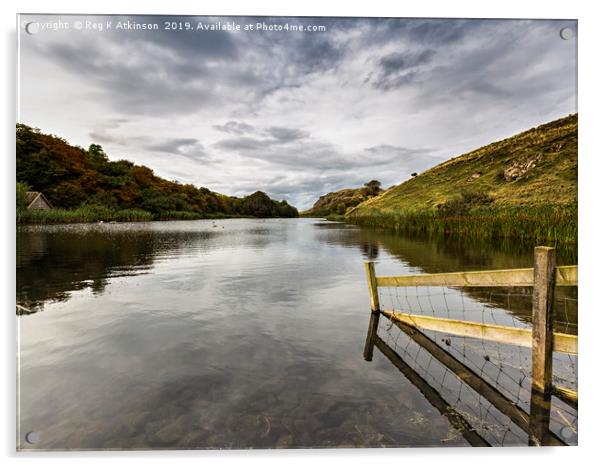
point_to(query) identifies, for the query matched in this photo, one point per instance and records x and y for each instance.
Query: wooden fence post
(371, 337)
(372, 286)
(544, 278)
(539, 419)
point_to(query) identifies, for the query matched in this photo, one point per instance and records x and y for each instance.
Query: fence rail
(565, 276)
(542, 340)
(562, 342)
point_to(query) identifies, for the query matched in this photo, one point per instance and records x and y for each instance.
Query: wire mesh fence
(486, 384)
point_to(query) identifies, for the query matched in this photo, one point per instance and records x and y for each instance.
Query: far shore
(84, 215)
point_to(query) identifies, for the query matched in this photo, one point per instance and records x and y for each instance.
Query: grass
(90, 214)
(335, 218)
(85, 214)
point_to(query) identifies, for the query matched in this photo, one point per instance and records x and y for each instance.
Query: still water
(227, 334)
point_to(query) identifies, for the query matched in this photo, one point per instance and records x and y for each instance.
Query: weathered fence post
(372, 286)
(544, 280)
(539, 419)
(371, 337)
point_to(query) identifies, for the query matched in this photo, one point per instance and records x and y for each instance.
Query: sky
(295, 114)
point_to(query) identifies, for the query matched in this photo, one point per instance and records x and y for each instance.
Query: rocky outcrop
(520, 167)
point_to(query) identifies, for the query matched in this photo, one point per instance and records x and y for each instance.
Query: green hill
(523, 186)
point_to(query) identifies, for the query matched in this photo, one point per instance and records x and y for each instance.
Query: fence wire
(505, 367)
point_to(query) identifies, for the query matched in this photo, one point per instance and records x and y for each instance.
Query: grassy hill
(523, 186)
(339, 202)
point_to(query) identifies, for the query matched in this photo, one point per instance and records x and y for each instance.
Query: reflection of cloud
(298, 114)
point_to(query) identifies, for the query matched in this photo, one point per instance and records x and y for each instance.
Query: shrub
(464, 204)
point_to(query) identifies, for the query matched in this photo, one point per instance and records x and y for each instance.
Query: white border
(590, 177)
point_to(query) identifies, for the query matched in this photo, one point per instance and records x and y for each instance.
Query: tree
(22, 189)
(67, 194)
(97, 156)
(372, 188)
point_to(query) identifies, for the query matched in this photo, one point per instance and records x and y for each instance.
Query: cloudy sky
(295, 114)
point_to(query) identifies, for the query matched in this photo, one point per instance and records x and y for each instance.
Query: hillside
(533, 168)
(74, 178)
(530, 177)
(338, 202)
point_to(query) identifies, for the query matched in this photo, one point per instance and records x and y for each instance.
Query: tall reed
(550, 224)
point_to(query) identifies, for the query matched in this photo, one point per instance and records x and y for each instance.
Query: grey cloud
(200, 44)
(179, 72)
(286, 134)
(398, 151)
(175, 145)
(416, 32)
(277, 135)
(441, 31)
(187, 147)
(396, 62)
(243, 143)
(400, 68)
(309, 154)
(274, 151)
(316, 51)
(102, 137)
(234, 127)
(134, 87)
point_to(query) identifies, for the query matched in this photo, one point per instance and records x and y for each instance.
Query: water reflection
(53, 261)
(244, 334)
(438, 254)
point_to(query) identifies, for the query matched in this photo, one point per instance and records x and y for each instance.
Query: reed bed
(550, 224)
(90, 214)
(85, 214)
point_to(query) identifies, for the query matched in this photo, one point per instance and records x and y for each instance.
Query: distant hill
(338, 202)
(75, 178)
(533, 169)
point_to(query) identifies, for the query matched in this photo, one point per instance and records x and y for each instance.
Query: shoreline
(71, 219)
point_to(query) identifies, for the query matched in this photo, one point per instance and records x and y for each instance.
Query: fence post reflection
(370, 338)
(535, 424)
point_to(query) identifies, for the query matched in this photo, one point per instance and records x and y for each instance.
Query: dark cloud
(184, 71)
(102, 137)
(441, 31)
(234, 127)
(175, 145)
(397, 62)
(214, 46)
(142, 85)
(243, 143)
(187, 147)
(276, 136)
(398, 151)
(311, 52)
(286, 134)
(311, 154)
